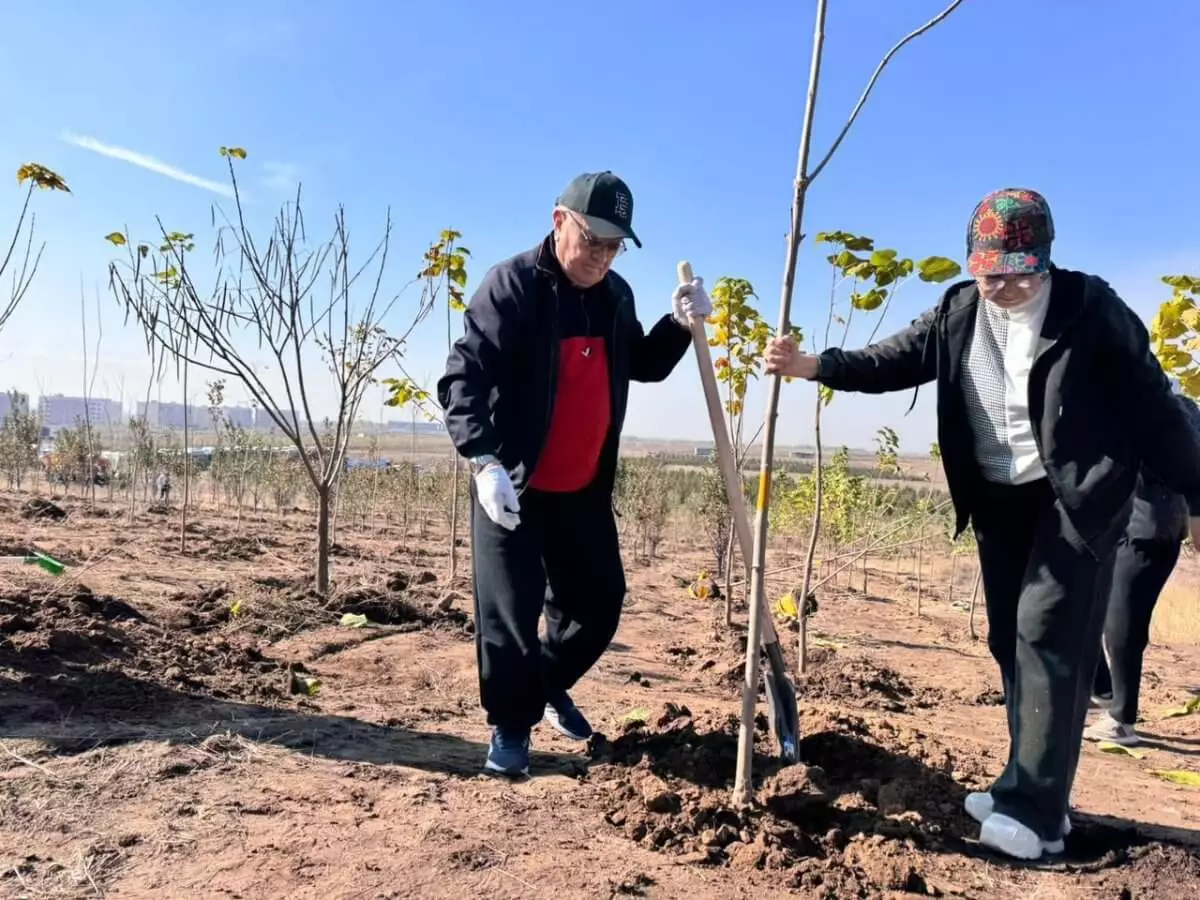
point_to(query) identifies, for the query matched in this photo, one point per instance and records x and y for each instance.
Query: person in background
(163, 485)
(534, 395)
(1048, 402)
(1146, 556)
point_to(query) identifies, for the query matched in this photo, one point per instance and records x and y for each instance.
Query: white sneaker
(1106, 728)
(980, 805)
(1010, 837)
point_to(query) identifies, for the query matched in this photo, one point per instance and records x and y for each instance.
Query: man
(1049, 400)
(163, 483)
(1146, 556)
(534, 395)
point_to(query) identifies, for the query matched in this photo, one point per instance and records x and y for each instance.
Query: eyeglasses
(602, 246)
(1021, 282)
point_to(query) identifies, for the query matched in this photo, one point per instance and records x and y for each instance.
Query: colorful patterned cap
(1010, 233)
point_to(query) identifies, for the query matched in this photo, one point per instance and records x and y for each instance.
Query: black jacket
(1160, 514)
(1099, 401)
(498, 388)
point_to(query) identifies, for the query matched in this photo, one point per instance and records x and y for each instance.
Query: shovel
(782, 708)
(41, 560)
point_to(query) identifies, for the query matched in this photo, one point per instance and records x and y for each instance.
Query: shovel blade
(783, 712)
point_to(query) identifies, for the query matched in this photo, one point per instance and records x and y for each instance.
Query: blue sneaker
(564, 716)
(508, 753)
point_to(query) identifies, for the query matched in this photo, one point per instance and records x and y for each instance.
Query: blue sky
(474, 114)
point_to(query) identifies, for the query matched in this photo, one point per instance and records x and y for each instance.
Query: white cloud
(282, 177)
(149, 163)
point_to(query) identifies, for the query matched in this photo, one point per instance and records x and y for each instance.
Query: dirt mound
(871, 686)
(872, 809)
(82, 651)
(852, 819)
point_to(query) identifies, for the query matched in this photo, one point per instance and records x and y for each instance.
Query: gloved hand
(497, 496)
(691, 300)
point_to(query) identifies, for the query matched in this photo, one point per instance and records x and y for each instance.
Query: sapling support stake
(745, 760)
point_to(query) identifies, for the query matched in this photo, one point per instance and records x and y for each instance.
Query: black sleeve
(1166, 440)
(904, 360)
(654, 355)
(477, 361)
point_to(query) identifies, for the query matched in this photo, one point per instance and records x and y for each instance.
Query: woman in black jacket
(1146, 556)
(1048, 400)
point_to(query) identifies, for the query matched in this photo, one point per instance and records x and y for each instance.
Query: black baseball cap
(605, 203)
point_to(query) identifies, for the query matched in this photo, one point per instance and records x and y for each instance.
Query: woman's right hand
(783, 357)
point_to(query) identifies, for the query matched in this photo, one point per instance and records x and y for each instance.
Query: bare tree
(272, 308)
(24, 262)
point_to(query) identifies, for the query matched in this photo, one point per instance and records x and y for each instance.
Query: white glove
(691, 300)
(497, 496)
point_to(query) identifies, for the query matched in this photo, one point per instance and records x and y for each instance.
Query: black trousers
(563, 560)
(1046, 597)
(1141, 570)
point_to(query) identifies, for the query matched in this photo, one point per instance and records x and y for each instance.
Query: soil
(198, 722)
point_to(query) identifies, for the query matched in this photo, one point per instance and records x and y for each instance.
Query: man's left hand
(691, 300)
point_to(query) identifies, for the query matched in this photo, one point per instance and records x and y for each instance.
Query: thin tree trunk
(453, 515)
(323, 543)
(187, 469)
(813, 538)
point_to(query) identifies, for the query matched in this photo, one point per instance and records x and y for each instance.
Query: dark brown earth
(201, 724)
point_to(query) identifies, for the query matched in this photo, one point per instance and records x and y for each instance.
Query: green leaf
(1118, 750)
(871, 300)
(235, 152)
(354, 620)
(937, 269)
(115, 238)
(1178, 776)
(882, 257)
(825, 394)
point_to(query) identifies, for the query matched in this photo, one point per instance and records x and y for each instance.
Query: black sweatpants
(1141, 570)
(564, 560)
(1046, 597)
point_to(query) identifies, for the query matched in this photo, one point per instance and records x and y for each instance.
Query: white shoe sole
(981, 809)
(557, 725)
(500, 770)
(1008, 836)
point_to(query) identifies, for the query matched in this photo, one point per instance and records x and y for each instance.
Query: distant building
(704, 452)
(171, 415)
(57, 411)
(13, 402)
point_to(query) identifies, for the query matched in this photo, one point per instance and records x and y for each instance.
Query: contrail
(142, 161)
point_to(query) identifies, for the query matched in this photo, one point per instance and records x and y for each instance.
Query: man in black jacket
(1049, 400)
(534, 395)
(1146, 556)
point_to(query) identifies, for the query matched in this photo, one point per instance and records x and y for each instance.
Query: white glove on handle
(691, 300)
(497, 496)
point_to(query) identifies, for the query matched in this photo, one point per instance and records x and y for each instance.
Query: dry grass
(1177, 616)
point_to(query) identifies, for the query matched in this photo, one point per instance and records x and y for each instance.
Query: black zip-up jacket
(498, 389)
(1098, 400)
(1160, 514)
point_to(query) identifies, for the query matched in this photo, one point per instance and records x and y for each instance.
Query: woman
(1146, 556)
(1048, 401)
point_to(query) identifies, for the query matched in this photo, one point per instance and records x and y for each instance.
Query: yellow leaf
(43, 178)
(786, 606)
(1189, 708)
(115, 238)
(236, 152)
(1178, 776)
(827, 643)
(1118, 750)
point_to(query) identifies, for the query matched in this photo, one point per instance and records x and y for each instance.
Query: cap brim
(607, 231)
(990, 262)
